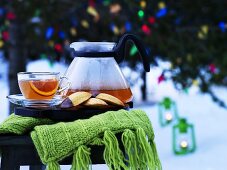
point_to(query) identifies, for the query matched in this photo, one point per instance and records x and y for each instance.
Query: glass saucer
(19, 99)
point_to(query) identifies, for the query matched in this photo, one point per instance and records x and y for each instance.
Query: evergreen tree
(189, 34)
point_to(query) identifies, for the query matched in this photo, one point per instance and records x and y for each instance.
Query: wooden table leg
(8, 161)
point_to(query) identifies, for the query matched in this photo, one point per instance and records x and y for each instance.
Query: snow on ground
(210, 128)
(209, 121)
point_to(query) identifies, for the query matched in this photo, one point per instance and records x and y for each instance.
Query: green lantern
(183, 137)
(167, 111)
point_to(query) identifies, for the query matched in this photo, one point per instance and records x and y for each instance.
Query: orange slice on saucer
(44, 87)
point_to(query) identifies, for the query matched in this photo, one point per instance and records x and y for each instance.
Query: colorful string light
(92, 11)
(151, 20)
(202, 34)
(10, 16)
(85, 24)
(146, 29)
(51, 43)
(133, 50)
(162, 12)
(141, 14)
(49, 32)
(61, 34)
(73, 31)
(161, 5)
(106, 2)
(115, 8)
(128, 26)
(91, 3)
(1, 43)
(205, 29)
(58, 48)
(2, 11)
(222, 26)
(5, 35)
(143, 4)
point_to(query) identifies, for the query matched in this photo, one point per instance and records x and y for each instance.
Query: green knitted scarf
(54, 142)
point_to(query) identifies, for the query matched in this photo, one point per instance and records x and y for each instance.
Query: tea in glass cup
(38, 85)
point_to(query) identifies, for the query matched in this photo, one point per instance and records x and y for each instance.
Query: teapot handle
(120, 50)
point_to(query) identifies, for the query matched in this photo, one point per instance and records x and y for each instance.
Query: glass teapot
(95, 68)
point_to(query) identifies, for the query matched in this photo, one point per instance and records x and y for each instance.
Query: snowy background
(209, 119)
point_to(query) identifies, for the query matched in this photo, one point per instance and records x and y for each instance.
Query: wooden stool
(20, 150)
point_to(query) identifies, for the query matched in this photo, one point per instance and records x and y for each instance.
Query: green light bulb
(141, 13)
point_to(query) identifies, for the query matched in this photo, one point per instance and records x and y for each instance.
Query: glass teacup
(39, 85)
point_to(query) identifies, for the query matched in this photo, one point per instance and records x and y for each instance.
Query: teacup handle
(67, 85)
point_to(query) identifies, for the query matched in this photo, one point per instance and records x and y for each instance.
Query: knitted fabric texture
(56, 141)
(21, 125)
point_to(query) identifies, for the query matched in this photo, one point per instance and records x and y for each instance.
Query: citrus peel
(44, 87)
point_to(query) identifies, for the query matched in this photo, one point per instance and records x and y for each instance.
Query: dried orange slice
(44, 87)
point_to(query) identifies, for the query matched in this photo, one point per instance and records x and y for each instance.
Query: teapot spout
(120, 50)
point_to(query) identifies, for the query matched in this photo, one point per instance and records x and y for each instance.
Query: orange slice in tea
(44, 87)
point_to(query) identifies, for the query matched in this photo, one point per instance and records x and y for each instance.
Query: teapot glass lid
(93, 49)
(93, 46)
